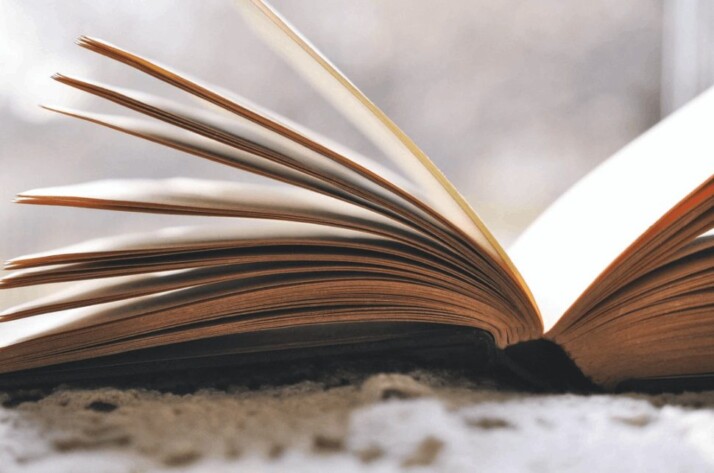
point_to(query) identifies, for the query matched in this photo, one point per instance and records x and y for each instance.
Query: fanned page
(375, 125)
(599, 220)
(336, 239)
(659, 326)
(216, 280)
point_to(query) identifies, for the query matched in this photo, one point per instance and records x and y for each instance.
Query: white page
(578, 236)
(339, 91)
(209, 197)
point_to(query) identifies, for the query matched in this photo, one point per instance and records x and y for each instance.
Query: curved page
(371, 121)
(585, 230)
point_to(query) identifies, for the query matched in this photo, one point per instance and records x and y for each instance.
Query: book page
(374, 124)
(258, 147)
(202, 197)
(658, 326)
(570, 244)
(427, 215)
(192, 239)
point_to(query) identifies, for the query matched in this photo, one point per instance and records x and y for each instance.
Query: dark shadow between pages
(322, 351)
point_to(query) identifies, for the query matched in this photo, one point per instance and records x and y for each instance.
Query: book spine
(543, 366)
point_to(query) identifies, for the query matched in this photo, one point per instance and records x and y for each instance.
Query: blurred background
(514, 100)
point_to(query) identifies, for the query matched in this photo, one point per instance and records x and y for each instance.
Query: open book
(618, 273)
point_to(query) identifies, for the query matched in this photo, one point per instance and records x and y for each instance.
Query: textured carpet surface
(421, 421)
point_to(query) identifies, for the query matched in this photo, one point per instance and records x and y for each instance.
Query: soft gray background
(514, 100)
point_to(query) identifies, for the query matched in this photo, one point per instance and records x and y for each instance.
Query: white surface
(442, 427)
